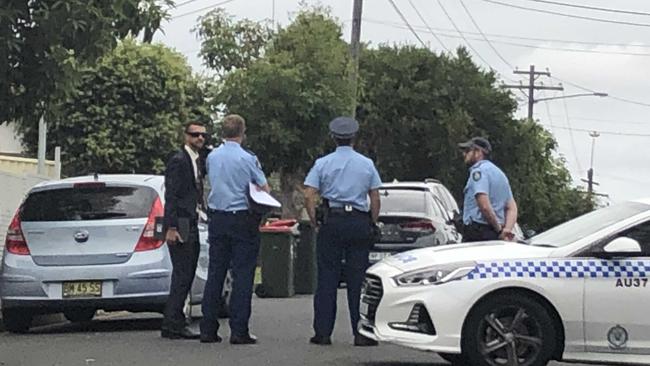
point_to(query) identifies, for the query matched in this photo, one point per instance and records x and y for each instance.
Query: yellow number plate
(82, 289)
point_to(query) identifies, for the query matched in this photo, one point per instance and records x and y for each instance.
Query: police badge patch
(617, 337)
(476, 176)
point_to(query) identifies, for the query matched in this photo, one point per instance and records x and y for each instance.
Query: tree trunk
(291, 194)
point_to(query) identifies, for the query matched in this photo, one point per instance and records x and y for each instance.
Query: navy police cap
(477, 142)
(344, 127)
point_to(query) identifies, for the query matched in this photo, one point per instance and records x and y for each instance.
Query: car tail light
(15, 242)
(147, 239)
(424, 226)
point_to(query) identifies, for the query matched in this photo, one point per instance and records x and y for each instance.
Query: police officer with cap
(344, 179)
(489, 210)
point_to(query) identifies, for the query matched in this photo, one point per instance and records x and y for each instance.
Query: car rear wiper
(542, 245)
(101, 215)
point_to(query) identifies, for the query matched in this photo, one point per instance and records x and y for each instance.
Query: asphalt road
(283, 327)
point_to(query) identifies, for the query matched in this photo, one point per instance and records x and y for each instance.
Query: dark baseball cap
(344, 127)
(477, 142)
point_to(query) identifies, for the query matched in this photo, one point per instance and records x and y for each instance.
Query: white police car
(577, 292)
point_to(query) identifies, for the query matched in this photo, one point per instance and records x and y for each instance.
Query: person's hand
(507, 235)
(172, 237)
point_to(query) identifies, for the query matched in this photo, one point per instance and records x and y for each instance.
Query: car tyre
(17, 320)
(79, 315)
(453, 358)
(506, 327)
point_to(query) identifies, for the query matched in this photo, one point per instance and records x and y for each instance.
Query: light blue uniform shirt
(344, 177)
(230, 170)
(485, 177)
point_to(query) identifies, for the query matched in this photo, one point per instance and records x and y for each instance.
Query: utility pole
(590, 173)
(355, 48)
(42, 144)
(531, 87)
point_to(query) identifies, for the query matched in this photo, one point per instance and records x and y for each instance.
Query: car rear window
(88, 203)
(399, 200)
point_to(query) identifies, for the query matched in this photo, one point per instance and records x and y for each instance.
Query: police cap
(344, 127)
(477, 142)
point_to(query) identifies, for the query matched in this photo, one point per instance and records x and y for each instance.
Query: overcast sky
(618, 64)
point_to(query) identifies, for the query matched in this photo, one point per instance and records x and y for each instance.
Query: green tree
(128, 111)
(417, 107)
(44, 43)
(288, 92)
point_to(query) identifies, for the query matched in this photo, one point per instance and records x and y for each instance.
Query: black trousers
(184, 258)
(343, 236)
(234, 243)
(479, 232)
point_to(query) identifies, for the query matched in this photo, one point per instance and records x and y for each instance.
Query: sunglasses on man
(197, 134)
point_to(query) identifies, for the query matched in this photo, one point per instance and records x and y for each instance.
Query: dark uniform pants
(345, 236)
(234, 238)
(479, 232)
(184, 257)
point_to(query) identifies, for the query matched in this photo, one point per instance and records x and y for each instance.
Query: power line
(609, 10)
(614, 133)
(568, 15)
(589, 119)
(516, 44)
(572, 138)
(408, 24)
(200, 10)
(429, 28)
(462, 35)
(184, 3)
(550, 40)
(483, 35)
(625, 100)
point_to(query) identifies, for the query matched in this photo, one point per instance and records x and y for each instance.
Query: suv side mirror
(621, 247)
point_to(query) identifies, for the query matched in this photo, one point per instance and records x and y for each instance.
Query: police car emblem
(617, 337)
(476, 176)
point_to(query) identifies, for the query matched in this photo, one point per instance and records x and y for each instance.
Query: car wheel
(453, 358)
(79, 315)
(17, 320)
(224, 306)
(508, 330)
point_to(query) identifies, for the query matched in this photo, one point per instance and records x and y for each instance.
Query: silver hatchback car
(82, 244)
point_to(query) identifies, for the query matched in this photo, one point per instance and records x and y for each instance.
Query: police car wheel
(508, 329)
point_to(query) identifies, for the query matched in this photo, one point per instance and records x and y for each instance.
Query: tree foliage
(127, 113)
(287, 92)
(418, 106)
(44, 43)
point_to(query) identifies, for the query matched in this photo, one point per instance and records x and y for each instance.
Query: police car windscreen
(588, 224)
(88, 203)
(395, 201)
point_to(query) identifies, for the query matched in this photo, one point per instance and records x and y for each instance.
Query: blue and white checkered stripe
(578, 268)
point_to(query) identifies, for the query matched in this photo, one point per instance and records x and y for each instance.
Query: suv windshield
(587, 224)
(88, 203)
(401, 200)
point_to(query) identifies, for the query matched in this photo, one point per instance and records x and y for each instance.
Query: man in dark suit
(183, 201)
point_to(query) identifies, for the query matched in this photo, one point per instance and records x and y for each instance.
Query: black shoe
(363, 341)
(246, 339)
(320, 340)
(205, 338)
(183, 333)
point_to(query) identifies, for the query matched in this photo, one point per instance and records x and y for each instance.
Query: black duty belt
(341, 211)
(229, 212)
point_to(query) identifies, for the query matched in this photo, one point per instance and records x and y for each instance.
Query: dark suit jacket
(181, 191)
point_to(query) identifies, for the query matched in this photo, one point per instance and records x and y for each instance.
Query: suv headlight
(435, 275)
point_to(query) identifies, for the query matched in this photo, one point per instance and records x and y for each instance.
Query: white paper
(261, 197)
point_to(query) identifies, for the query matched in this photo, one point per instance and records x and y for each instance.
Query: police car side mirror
(622, 247)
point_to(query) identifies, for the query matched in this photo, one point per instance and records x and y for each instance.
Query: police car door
(617, 298)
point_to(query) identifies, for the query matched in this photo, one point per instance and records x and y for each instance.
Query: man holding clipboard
(233, 232)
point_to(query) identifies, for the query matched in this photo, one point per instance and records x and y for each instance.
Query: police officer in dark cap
(344, 180)
(489, 210)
